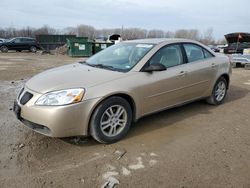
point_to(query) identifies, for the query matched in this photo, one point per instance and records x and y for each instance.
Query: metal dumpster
(98, 46)
(79, 47)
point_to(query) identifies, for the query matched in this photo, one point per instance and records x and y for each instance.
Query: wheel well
(226, 78)
(127, 97)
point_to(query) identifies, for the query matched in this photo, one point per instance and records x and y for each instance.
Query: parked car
(2, 40)
(19, 44)
(103, 95)
(214, 48)
(239, 60)
(237, 43)
(236, 48)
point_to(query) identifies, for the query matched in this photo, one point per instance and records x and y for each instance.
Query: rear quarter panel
(224, 66)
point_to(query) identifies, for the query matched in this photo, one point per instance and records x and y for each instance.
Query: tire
(4, 49)
(247, 66)
(106, 126)
(33, 49)
(219, 92)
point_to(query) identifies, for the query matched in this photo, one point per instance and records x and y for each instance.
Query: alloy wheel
(113, 120)
(220, 91)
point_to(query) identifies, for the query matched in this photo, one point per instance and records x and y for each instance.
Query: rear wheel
(33, 49)
(219, 92)
(4, 49)
(111, 120)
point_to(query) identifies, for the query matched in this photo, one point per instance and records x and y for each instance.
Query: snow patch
(153, 154)
(137, 166)
(125, 171)
(109, 174)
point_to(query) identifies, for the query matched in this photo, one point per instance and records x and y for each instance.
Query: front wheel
(4, 49)
(219, 92)
(111, 120)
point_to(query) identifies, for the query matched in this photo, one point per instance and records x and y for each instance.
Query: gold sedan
(117, 86)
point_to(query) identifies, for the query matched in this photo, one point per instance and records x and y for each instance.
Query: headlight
(62, 97)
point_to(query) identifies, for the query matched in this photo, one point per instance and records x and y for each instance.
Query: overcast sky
(224, 16)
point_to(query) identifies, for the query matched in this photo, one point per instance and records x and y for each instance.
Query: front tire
(219, 92)
(111, 120)
(4, 49)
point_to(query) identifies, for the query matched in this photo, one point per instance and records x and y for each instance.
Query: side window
(207, 54)
(18, 40)
(194, 52)
(30, 40)
(168, 56)
(24, 40)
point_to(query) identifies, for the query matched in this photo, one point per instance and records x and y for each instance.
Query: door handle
(213, 65)
(182, 73)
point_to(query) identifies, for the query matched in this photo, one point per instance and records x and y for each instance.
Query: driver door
(17, 44)
(165, 88)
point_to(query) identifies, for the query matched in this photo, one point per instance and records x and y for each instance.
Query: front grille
(26, 97)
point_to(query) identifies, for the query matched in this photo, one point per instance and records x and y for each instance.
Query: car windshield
(120, 57)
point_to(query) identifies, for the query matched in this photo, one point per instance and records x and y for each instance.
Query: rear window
(28, 40)
(207, 54)
(194, 52)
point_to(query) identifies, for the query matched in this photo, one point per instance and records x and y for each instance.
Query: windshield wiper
(102, 66)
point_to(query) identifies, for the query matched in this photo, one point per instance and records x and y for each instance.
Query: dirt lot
(196, 145)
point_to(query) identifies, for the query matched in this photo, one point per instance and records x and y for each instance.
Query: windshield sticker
(144, 45)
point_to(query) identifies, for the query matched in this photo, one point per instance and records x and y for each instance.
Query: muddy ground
(196, 145)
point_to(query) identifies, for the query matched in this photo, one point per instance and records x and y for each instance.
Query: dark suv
(19, 44)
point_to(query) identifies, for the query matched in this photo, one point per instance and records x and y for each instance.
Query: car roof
(159, 40)
(23, 38)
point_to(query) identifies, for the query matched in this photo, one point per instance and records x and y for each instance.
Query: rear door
(201, 70)
(26, 43)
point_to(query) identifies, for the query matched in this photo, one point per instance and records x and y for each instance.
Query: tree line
(205, 37)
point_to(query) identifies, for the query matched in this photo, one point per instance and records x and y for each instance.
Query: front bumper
(55, 121)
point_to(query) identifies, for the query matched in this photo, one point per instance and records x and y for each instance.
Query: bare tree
(85, 31)
(188, 34)
(207, 37)
(154, 33)
(126, 33)
(69, 31)
(169, 34)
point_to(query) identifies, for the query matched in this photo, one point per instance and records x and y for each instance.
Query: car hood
(71, 76)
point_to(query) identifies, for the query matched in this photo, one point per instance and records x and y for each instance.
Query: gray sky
(171, 15)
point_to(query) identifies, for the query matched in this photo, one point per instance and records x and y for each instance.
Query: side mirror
(155, 67)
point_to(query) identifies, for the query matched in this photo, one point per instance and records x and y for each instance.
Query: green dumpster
(99, 46)
(79, 47)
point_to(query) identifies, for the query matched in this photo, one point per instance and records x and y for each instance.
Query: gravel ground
(196, 145)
